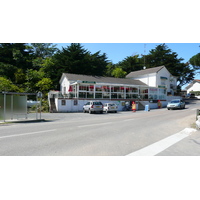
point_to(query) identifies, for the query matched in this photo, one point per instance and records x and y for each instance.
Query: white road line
(126, 120)
(88, 125)
(161, 145)
(24, 134)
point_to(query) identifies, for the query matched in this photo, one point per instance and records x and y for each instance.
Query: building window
(63, 102)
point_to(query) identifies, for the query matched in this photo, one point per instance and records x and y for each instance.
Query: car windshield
(111, 104)
(97, 103)
(175, 101)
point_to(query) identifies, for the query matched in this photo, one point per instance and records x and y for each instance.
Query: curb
(25, 121)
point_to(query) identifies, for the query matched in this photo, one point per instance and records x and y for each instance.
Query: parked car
(176, 104)
(110, 107)
(93, 107)
(190, 95)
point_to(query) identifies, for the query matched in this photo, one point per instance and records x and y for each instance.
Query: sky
(118, 51)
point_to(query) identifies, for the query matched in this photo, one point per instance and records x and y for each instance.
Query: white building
(194, 86)
(158, 77)
(145, 87)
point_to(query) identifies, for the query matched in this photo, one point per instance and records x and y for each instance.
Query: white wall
(70, 107)
(195, 87)
(65, 83)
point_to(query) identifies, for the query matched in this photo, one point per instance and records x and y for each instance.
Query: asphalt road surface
(158, 132)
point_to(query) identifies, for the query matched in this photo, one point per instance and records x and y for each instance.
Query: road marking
(126, 120)
(161, 145)
(24, 134)
(87, 125)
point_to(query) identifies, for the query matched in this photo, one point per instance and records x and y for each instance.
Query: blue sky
(118, 51)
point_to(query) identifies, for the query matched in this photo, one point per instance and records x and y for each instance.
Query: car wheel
(84, 111)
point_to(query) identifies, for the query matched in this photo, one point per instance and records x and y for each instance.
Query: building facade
(76, 90)
(194, 86)
(158, 77)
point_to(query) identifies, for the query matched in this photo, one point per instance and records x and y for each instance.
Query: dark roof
(101, 79)
(144, 71)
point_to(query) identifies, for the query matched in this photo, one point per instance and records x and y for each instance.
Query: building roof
(101, 79)
(192, 83)
(144, 72)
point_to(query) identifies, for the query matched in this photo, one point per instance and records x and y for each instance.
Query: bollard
(146, 108)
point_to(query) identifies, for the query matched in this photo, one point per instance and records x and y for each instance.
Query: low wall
(73, 105)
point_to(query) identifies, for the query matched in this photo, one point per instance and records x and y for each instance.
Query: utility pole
(144, 56)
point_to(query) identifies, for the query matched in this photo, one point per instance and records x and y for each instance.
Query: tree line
(37, 67)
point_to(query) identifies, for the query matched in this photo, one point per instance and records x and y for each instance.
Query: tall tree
(77, 60)
(14, 56)
(162, 55)
(131, 63)
(43, 50)
(195, 61)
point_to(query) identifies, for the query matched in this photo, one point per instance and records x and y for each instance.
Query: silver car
(110, 107)
(176, 104)
(93, 107)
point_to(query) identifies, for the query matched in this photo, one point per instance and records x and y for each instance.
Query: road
(113, 134)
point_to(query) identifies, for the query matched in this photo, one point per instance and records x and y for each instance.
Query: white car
(93, 107)
(110, 107)
(175, 104)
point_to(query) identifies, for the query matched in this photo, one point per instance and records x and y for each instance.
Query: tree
(118, 72)
(16, 54)
(195, 61)
(77, 60)
(43, 50)
(109, 69)
(162, 55)
(131, 63)
(7, 71)
(8, 86)
(44, 85)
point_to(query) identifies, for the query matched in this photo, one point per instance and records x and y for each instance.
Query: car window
(175, 101)
(97, 103)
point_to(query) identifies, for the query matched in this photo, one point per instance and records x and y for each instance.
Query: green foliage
(38, 66)
(195, 61)
(197, 93)
(43, 50)
(44, 85)
(131, 63)
(118, 73)
(8, 86)
(44, 107)
(8, 71)
(77, 60)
